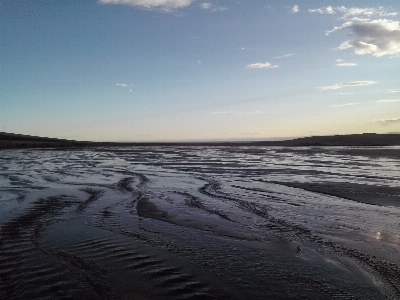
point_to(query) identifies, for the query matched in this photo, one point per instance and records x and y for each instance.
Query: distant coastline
(19, 141)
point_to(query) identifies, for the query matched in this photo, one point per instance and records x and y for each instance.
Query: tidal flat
(196, 222)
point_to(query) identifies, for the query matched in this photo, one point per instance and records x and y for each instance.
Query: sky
(167, 70)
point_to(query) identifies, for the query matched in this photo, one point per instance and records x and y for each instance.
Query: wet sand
(363, 193)
(200, 223)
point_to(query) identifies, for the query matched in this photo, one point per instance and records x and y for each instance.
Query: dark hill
(11, 140)
(365, 139)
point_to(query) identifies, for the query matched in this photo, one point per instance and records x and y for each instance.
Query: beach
(200, 222)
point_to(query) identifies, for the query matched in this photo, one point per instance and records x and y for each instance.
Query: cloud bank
(163, 4)
(345, 84)
(265, 65)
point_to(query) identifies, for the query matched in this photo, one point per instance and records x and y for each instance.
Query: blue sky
(134, 70)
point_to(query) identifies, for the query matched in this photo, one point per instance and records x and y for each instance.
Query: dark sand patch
(147, 209)
(369, 194)
(94, 195)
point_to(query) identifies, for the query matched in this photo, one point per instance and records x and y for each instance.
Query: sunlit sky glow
(134, 70)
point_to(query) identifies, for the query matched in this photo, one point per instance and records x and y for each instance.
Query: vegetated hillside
(11, 140)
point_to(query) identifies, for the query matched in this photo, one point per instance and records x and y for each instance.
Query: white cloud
(250, 49)
(376, 37)
(283, 56)
(265, 65)
(163, 4)
(385, 122)
(295, 9)
(315, 131)
(220, 8)
(386, 101)
(393, 91)
(341, 105)
(367, 11)
(124, 85)
(208, 6)
(345, 84)
(344, 64)
(205, 5)
(323, 10)
(230, 112)
(252, 133)
(354, 11)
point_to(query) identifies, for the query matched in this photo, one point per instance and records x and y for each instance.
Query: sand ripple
(200, 223)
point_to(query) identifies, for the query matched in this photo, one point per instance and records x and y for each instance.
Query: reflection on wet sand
(200, 223)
